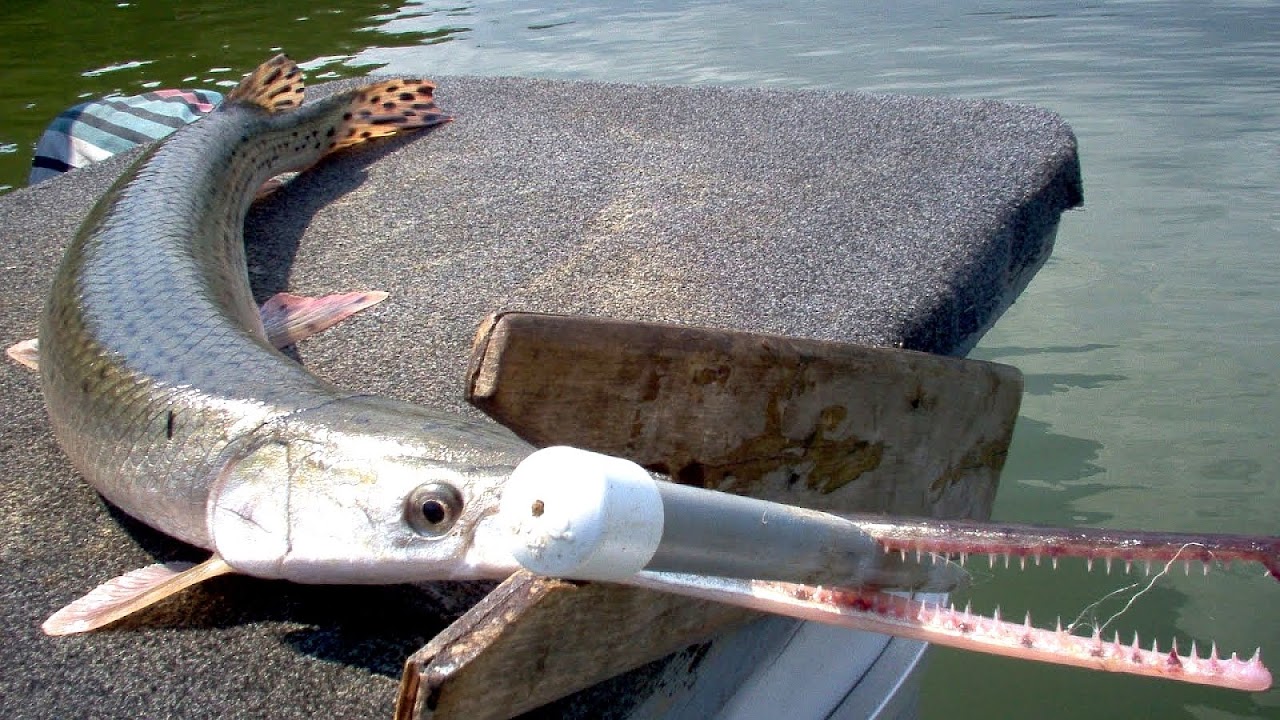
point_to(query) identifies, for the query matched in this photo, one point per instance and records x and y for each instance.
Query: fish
(170, 395)
(165, 392)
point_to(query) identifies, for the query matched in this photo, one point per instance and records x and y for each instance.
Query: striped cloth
(98, 129)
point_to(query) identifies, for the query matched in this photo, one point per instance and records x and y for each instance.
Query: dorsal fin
(276, 85)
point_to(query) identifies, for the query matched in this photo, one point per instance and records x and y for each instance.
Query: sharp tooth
(1108, 561)
(968, 609)
(1055, 562)
(1006, 561)
(1147, 567)
(902, 555)
(1155, 646)
(1186, 568)
(1059, 624)
(996, 615)
(1257, 658)
(1037, 557)
(1128, 565)
(919, 555)
(1213, 651)
(1027, 623)
(963, 558)
(1205, 566)
(1135, 641)
(1088, 565)
(991, 560)
(1022, 560)
(1175, 645)
(1194, 654)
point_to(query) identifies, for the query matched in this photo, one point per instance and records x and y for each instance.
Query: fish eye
(433, 508)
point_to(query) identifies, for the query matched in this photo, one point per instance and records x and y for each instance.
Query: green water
(56, 53)
(1151, 340)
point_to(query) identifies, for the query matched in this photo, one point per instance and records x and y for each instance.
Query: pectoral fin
(130, 593)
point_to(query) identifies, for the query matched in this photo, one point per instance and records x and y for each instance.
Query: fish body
(164, 392)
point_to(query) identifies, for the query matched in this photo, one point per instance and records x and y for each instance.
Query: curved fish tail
(386, 108)
(375, 110)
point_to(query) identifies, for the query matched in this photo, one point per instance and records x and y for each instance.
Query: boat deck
(895, 221)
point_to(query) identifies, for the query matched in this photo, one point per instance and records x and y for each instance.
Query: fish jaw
(902, 616)
(360, 492)
(961, 540)
(951, 543)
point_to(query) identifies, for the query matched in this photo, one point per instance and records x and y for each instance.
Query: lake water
(1150, 341)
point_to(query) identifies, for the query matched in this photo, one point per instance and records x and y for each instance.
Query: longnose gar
(163, 389)
(166, 393)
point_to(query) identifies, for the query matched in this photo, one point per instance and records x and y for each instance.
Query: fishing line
(1088, 609)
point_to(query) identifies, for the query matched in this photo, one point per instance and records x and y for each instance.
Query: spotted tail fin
(386, 108)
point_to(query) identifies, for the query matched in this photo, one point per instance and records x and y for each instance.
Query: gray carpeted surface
(884, 220)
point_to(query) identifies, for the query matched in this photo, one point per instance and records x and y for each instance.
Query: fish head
(368, 491)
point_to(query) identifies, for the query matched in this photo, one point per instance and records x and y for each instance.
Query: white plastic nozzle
(579, 514)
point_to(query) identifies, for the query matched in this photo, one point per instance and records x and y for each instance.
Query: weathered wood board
(819, 424)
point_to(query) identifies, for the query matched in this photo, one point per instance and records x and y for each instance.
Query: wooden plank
(534, 640)
(812, 423)
(821, 424)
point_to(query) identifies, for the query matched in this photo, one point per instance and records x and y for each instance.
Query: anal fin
(130, 593)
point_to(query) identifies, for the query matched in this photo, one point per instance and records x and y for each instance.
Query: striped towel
(96, 130)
